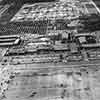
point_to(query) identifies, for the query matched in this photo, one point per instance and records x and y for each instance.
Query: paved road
(32, 66)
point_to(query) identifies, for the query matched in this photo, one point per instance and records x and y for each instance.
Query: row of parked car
(41, 11)
(67, 52)
(56, 43)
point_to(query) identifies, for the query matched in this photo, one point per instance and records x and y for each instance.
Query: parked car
(86, 40)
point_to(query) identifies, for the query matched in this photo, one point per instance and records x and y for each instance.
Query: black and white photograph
(49, 49)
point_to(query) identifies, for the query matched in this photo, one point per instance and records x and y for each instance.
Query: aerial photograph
(49, 49)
